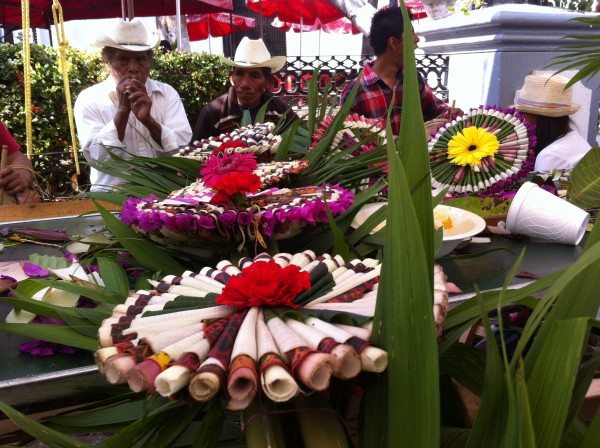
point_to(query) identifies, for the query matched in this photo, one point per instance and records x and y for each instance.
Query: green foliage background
(198, 77)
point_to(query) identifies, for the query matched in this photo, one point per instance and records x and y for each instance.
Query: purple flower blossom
(228, 218)
(72, 258)
(33, 270)
(207, 222)
(45, 348)
(245, 218)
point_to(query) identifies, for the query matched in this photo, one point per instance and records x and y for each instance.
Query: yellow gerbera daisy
(471, 145)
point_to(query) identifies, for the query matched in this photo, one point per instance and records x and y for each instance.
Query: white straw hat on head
(128, 36)
(545, 95)
(254, 54)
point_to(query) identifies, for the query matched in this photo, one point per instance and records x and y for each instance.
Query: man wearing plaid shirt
(384, 76)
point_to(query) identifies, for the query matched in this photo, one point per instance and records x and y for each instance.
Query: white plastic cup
(539, 214)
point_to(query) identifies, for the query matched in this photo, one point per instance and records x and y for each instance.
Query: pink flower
(218, 166)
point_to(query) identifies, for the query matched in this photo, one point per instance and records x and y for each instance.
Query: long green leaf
(593, 433)
(114, 277)
(53, 333)
(403, 322)
(210, 428)
(148, 254)
(39, 431)
(490, 425)
(527, 433)
(551, 379)
(584, 190)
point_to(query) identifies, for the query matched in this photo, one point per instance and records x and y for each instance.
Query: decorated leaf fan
(357, 131)
(484, 152)
(235, 202)
(257, 139)
(278, 325)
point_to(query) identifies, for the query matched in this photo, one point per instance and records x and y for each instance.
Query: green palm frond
(582, 56)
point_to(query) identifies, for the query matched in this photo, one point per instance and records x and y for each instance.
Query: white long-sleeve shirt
(95, 111)
(562, 154)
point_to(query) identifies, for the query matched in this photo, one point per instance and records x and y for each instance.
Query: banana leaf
(584, 190)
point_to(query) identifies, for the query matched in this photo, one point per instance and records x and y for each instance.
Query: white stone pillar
(493, 49)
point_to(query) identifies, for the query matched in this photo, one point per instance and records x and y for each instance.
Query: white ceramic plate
(465, 224)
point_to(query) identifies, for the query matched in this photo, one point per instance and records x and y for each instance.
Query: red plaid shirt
(374, 97)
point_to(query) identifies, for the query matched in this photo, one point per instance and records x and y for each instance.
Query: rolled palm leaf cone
(178, 375)
(242, 383)
(212, 373)
(141, 378)
(373, 359)
(311, 368)
(277, 382)
(116, 367)
(345, 363)
(440, 298)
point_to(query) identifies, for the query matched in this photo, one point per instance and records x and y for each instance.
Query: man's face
(398, 46)
(133, 64)
(249, 85)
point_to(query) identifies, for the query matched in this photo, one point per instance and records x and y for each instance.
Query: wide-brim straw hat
(545, 95)
(128, 36)
(254, 54)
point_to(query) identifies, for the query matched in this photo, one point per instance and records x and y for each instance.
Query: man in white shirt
(129, 113)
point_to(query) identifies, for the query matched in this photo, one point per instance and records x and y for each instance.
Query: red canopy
(201, 26)
(41, 10)
(297, 11)
(339, 26)
(416, 8)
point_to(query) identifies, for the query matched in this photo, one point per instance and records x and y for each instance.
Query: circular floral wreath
(257, 139)
(261, 326)
(227, 206)
(484, 152)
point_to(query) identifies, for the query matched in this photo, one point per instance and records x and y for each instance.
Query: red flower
(238, 183)
(231, 144)
(218, 166)
(265, 283)
(221, 198)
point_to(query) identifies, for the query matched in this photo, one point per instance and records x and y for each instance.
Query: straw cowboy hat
(545, 95)
(254, 54)
(128, 36)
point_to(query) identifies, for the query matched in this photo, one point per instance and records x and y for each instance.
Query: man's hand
(139, 101)
(13, 180)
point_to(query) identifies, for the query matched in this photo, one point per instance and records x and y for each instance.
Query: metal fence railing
(291, 83)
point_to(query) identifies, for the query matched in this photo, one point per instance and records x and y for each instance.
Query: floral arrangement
(267, 323)
(354, 129)
(483, 153)
(235, 202)
(257, 139)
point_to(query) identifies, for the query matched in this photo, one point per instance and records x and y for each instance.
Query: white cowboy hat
(128, 36)
(254, 54)
(545, 95)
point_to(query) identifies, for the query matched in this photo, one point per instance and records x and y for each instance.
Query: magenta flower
(216, 167)
(33, 270)
(45, 348)
(72, 258)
